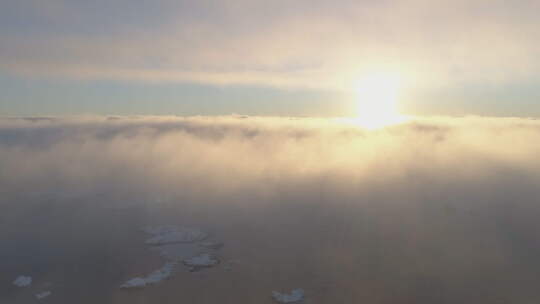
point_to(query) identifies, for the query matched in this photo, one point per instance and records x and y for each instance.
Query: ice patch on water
(153, 278)
(295, 296)
(134, 283)
(178, 252)
(43, 295)
(171, 234)
(176, 244)
(201, 261)
(160, 274)
(22, 281)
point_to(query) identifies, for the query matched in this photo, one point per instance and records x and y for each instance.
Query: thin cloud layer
(317, 44)
(256, 156)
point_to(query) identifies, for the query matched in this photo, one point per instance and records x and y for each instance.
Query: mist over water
(440, 210)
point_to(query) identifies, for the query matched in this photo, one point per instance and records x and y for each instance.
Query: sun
(377, 97)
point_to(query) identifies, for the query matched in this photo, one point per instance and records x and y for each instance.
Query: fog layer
(211, 158)
(442, 209)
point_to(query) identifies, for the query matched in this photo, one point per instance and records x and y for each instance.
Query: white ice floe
(170, 234)
(134, 283)
(43, 295)
(153, 278)
(295, 296)
(178, 252)
(201, 260)
(22, 281)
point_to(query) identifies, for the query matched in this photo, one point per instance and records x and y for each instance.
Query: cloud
(262, 153)
(421, 209)
(314, 44)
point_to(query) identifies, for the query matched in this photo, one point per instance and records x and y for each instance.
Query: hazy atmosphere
(434, 210)
(301, 152)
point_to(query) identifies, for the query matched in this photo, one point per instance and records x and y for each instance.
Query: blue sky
(267, 58)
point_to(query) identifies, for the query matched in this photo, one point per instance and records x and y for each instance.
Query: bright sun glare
(378, 96)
